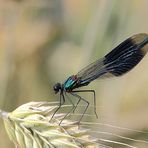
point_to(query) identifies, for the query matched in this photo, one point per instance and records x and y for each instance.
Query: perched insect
(116, 63)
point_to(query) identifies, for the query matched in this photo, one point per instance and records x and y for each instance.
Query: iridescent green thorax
(70, 83)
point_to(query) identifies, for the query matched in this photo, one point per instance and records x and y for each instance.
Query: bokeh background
(45, 41)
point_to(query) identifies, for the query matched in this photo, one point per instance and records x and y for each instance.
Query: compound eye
(57, 87)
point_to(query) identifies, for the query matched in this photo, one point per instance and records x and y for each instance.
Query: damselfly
(116, 63)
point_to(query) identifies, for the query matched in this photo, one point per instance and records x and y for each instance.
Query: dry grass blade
(30, 126)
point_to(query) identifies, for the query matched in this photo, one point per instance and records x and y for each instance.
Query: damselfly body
(116, 63)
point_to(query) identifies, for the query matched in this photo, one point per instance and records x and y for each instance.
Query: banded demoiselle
(119, 61)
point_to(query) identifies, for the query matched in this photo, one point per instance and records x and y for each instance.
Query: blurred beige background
(45, 41)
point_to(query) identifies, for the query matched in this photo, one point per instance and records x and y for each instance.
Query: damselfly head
(57, 87)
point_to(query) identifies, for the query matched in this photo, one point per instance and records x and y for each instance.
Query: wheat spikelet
(29, 126)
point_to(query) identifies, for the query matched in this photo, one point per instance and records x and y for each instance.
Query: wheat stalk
(29, 126)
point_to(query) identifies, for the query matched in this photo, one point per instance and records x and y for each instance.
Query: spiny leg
(75, 95)
(73, 108)
(73, 105)
(70, 109)
(69, 100)
(62, 101)
(94, 94)
(76, 105)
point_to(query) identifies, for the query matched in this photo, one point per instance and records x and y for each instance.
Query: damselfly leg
(81, 99)
(68, 113)
(94, 97)
(62, 101)
(69, 99)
